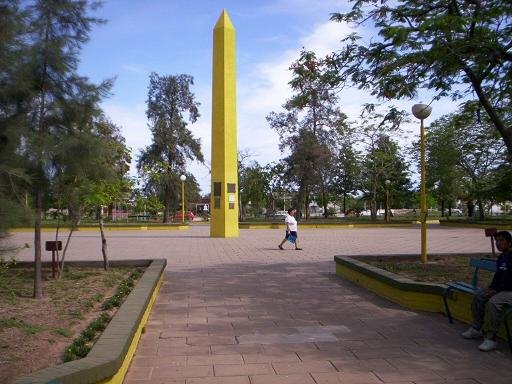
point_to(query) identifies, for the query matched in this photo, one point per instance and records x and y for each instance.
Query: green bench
(472, 288)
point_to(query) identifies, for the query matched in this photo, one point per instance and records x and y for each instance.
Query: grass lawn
(438, 269)
(35, 333)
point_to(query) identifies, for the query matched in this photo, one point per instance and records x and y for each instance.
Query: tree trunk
(498, 122)
(57, 254)
(373, 209)
(68, 240)
(300, 199)
(306, 202)
(38, 286)
(373, 203)
(481, 214)
(103, 243)
(324, 200)
(442, 207)
(167, 208)
(471, 208)
(241, 211)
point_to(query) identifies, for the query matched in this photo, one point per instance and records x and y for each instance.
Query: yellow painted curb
(410, 294)
(118, 378)
(475, 225)
(323, 225)
(120, 228)
(424, 301)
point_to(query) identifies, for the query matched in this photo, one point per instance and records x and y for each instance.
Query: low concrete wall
(280, 225)
(108, 228)
(403, 291)
(110, 357)
(458, 224)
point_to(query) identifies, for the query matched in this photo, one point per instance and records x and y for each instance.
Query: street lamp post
(183, 178)
(388, 216)
(422, 111)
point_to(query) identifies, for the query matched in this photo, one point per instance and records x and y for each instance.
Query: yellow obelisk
(224, 195)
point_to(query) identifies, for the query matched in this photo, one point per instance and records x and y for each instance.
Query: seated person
(493, 297)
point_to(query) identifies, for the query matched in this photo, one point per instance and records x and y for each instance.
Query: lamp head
(421, 111)
(183, 177)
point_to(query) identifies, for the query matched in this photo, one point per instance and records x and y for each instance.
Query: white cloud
(133, 123)
(266, 89)
(326, 38)
(135, 68)
(305, 6)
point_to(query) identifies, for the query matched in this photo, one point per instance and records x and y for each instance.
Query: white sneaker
(472, 333)
(488, 345)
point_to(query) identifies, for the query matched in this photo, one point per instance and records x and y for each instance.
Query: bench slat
(487, 264)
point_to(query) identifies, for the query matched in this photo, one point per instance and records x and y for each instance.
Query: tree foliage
(162, 162)
(454, 48)
(56, 142)
(254, 187)
(309, 128)
(381, 159)
(469, 167)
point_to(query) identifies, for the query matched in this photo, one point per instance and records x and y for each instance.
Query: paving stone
(351, 365)
(220, 380)
(217, 290)
(211, 340)
(242, 369)
(214, 359)
(152, 361)
(407, 374)
(346, 378)
(140, 372)
(176, 372)
(285, 368)
(266, 358)
(283, 379)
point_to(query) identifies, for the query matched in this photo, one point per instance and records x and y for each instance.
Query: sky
(172, 37)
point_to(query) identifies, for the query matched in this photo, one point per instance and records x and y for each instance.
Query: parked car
(189, 215)
(276, 214)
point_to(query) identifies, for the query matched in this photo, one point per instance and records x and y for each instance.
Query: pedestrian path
(240, 311)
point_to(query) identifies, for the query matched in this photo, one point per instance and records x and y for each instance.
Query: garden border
(108, 228)
(404, 291)
(110, 357)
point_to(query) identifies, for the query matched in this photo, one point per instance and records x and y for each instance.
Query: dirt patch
(35, 333)
(438, 269)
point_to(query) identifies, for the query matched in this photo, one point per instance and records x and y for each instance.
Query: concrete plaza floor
(241, 311)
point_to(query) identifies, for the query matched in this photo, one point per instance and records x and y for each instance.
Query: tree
(476, 158)
(454, 48)
(90, 173)
(161, 163)
(345, 176)
(381, 158)
(309, 128)
(55, 33)
(253, 180)
(444, 177)
(13, 177)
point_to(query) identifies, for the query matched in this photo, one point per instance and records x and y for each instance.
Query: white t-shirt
(292, 223)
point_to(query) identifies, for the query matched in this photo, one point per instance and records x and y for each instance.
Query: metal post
(183, 178)
(423, 197)
(388, 209)
(422, 111)
(54, 266)
(183, 202)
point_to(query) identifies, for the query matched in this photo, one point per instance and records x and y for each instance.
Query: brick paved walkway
(240, 311)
